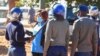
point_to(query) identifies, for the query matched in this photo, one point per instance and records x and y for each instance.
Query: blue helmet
(16, 10)
(83, 7)
(93, 8)
(93, 11)
(58, 9)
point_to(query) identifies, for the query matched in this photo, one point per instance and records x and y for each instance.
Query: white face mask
(39, 19)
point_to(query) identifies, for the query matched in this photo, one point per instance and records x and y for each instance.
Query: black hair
(58, 17)
(20, 17)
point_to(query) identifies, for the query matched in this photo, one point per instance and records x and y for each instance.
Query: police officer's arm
(67, 37)
(75, 37)
(95, 41)
(6, 36)
(48, 35)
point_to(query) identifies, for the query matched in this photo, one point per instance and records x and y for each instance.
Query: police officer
(15, 33)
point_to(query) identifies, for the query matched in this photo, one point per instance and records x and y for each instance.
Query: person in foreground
(15, 34)
(57, 34)
(84, 37)
(94, 15)
(38, 41)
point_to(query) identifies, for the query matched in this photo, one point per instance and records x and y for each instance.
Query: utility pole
(11, 3)
(42, 4)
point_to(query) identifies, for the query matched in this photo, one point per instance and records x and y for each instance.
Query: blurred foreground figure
(94, 15)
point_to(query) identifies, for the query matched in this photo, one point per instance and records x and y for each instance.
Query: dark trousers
(83, 54)
(98, 53)
(57, 51)
(37, 54)
(16, 51)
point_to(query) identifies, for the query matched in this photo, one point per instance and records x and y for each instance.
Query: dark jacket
(15, 34)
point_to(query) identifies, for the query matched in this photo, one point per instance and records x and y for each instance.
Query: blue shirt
(36, 46)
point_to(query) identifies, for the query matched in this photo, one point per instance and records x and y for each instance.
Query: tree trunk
(11, 3)
(42, 4)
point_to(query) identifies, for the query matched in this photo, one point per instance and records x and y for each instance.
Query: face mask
(39, 19)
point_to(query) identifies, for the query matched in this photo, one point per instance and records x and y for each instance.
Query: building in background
(3, 3)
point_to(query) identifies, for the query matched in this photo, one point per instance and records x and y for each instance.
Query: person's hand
(28, 32)
(45, 54)
(67, 54)
(30, 39)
